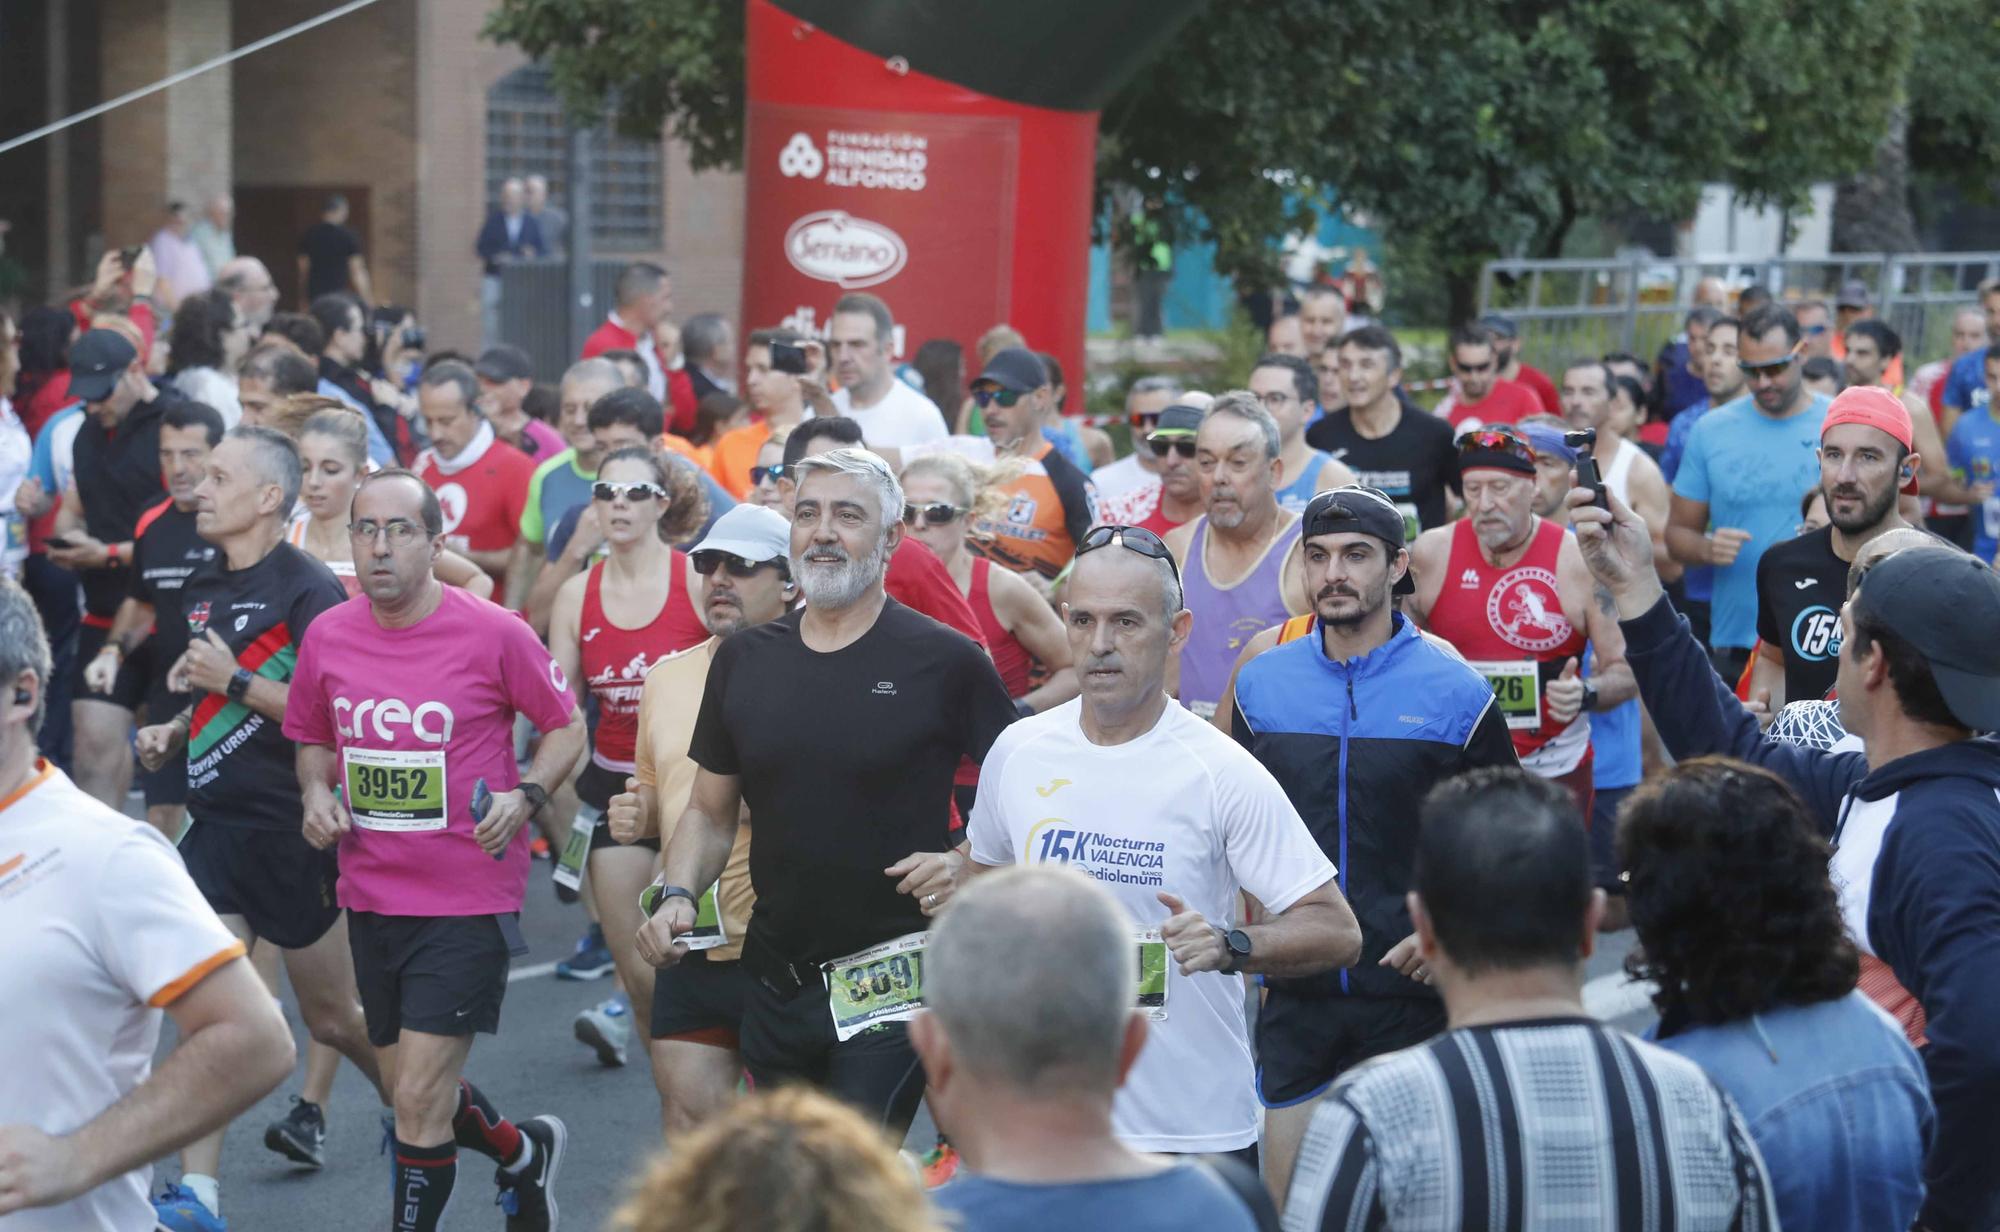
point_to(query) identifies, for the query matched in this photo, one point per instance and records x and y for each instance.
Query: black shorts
(595, 787)
(133, 672)
(1604, 838)
(442, 975)
(875, 1072)
(281, 885)
(700, 1001)
(1304, 1043)
(168, 784)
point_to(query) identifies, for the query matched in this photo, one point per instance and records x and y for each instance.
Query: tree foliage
(1468, 131)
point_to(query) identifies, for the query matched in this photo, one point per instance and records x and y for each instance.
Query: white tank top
(1619, 473)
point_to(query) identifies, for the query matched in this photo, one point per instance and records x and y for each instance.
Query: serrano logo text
(379, 719)
(849, 252)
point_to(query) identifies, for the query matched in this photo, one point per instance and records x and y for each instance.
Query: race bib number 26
(1517, 687)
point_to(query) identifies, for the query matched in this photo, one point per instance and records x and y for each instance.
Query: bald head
(1887, 544)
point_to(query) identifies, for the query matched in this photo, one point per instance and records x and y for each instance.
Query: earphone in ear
(24, 697)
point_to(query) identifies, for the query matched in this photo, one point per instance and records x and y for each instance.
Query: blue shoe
(606, 1027)
(590, 960)
(178, 1210)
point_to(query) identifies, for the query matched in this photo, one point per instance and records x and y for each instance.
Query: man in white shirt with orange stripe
(104, 931)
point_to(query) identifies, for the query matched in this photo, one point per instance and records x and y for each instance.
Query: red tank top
(615, 659)
(1501, 619)
(1010, 657)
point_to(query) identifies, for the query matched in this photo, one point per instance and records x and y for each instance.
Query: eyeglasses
(1005, 397)
(758, 474)
(706, 563)
(1496, 440)
(937, 514)
(1132, 539)
(630, 491)
(1775, 367)
(1275, 399)
(401, 531)
(1182, 445)
(1816, 329)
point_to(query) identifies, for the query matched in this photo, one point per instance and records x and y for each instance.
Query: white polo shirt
(103, 929)
(901, 419)
(1182, 809)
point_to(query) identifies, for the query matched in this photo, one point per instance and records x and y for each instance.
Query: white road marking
(1610, 997)
(528, 973)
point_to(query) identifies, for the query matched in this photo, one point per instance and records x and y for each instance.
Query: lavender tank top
(1227, 617)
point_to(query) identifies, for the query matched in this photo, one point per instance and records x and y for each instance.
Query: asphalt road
(533, 1066)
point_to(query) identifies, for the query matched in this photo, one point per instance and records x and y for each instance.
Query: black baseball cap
(96, 361)
(1015, 368)
(1502, 325)
(1853, 294)
(1358, 510)
(1177, 420)
(504, 363)
(1946, 604)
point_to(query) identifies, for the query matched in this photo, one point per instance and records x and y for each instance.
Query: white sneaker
(606, 1027)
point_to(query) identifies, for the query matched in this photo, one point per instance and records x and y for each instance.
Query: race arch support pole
(960, 209)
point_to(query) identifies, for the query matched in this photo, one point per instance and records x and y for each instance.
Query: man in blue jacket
(1357, 715)
(1914, 817)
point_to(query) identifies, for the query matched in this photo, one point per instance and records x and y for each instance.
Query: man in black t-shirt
(245, 613)
(850, 787)
(1389, 445)
(1864, 461)
(330, 257)
(165, 550)
(116, 478)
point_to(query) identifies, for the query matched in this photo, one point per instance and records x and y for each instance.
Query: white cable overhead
(184, 75)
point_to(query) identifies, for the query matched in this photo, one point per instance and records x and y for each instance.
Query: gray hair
(638, 280)
(1171, 598)
(460, 375)
(276, 457)
(702, 335)
(1158, 383)
(24, 647)
(1033, 974)
(593, 369)
(1243, 404)
(862, 464)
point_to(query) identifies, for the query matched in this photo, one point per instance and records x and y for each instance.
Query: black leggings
(876, 1072)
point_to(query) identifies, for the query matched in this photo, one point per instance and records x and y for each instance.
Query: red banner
(960, 210)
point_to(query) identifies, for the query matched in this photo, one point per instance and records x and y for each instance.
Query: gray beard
(833, 586)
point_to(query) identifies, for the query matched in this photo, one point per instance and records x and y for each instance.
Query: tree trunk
(1871, 211)
(1462, 288)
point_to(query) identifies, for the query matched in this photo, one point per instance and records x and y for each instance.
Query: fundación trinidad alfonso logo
(833, 246)
(1525, 609)
(801, 157)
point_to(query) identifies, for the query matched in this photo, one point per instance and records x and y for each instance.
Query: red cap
(1873, 407)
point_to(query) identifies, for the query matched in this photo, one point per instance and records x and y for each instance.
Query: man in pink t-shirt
(403, 704)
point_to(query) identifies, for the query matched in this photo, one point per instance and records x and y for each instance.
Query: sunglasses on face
(1775, 367)
(706, 563)
(1144, 421)
(1495, 440)
(1182, 445)
(630, 491)
(1816, 329)
(1132, 539)
(758, 474)
(987, 397)
(1476, 369)
(937, 514)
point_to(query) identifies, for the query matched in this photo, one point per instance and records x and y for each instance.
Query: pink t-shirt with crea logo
(450, 684)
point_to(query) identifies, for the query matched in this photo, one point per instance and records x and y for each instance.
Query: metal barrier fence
(535, 309)
(1567, 308)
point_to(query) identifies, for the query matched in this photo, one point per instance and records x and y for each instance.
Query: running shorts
(129, 689)
(280, 884)
(595, 787)
(1304, 1043)
(699, 1001)
(442, 975)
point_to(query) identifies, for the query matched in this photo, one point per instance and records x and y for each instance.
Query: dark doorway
(271, 218)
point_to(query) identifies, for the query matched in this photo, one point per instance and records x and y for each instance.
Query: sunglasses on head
(706, 563)
(630, 491)
(758, 474)
(1005, 397)
(1182, 445)
(938, 513)
(1132, 539)
(1495, 440)
(1775, 367)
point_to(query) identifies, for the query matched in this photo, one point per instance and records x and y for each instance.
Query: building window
(524, 136)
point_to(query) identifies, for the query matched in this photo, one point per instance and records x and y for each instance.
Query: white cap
(752, 532)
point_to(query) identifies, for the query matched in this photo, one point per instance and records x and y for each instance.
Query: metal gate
(1567, 308)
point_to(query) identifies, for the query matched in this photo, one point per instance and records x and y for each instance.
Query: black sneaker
(301, 1135)
(529, 1197)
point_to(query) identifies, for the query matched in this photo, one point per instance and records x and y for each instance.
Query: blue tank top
(1614, 740)
(1296, 495)
(1227, 617)
(1068, 440)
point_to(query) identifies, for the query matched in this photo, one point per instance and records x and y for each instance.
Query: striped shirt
(1554, 1124)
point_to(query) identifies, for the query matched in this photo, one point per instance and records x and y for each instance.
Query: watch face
(1239, 941)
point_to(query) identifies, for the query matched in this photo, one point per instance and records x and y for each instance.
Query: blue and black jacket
(1356, 744)
(1934, 908)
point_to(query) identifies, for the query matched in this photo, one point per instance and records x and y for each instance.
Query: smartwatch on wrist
(1589, 696)
(239, 684)
(1237, 942)
(535, 794)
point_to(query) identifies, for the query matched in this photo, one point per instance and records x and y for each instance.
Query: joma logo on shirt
(353, 719)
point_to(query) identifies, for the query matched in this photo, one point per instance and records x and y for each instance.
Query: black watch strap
(674, 891)
(239, 684)
(535, 795)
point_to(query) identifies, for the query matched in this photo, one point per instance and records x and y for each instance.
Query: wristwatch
(239, 684)
(674, 891)
(1237, 942)
(1589, 696)
(535, 794)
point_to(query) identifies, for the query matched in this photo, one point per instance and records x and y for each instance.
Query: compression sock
(205, 1188)
(424, 1179)
(478, 1126)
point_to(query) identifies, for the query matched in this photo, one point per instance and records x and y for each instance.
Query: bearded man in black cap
(1354, 685)
(1914, 818)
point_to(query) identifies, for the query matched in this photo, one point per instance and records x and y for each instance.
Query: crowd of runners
(1328, 732)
